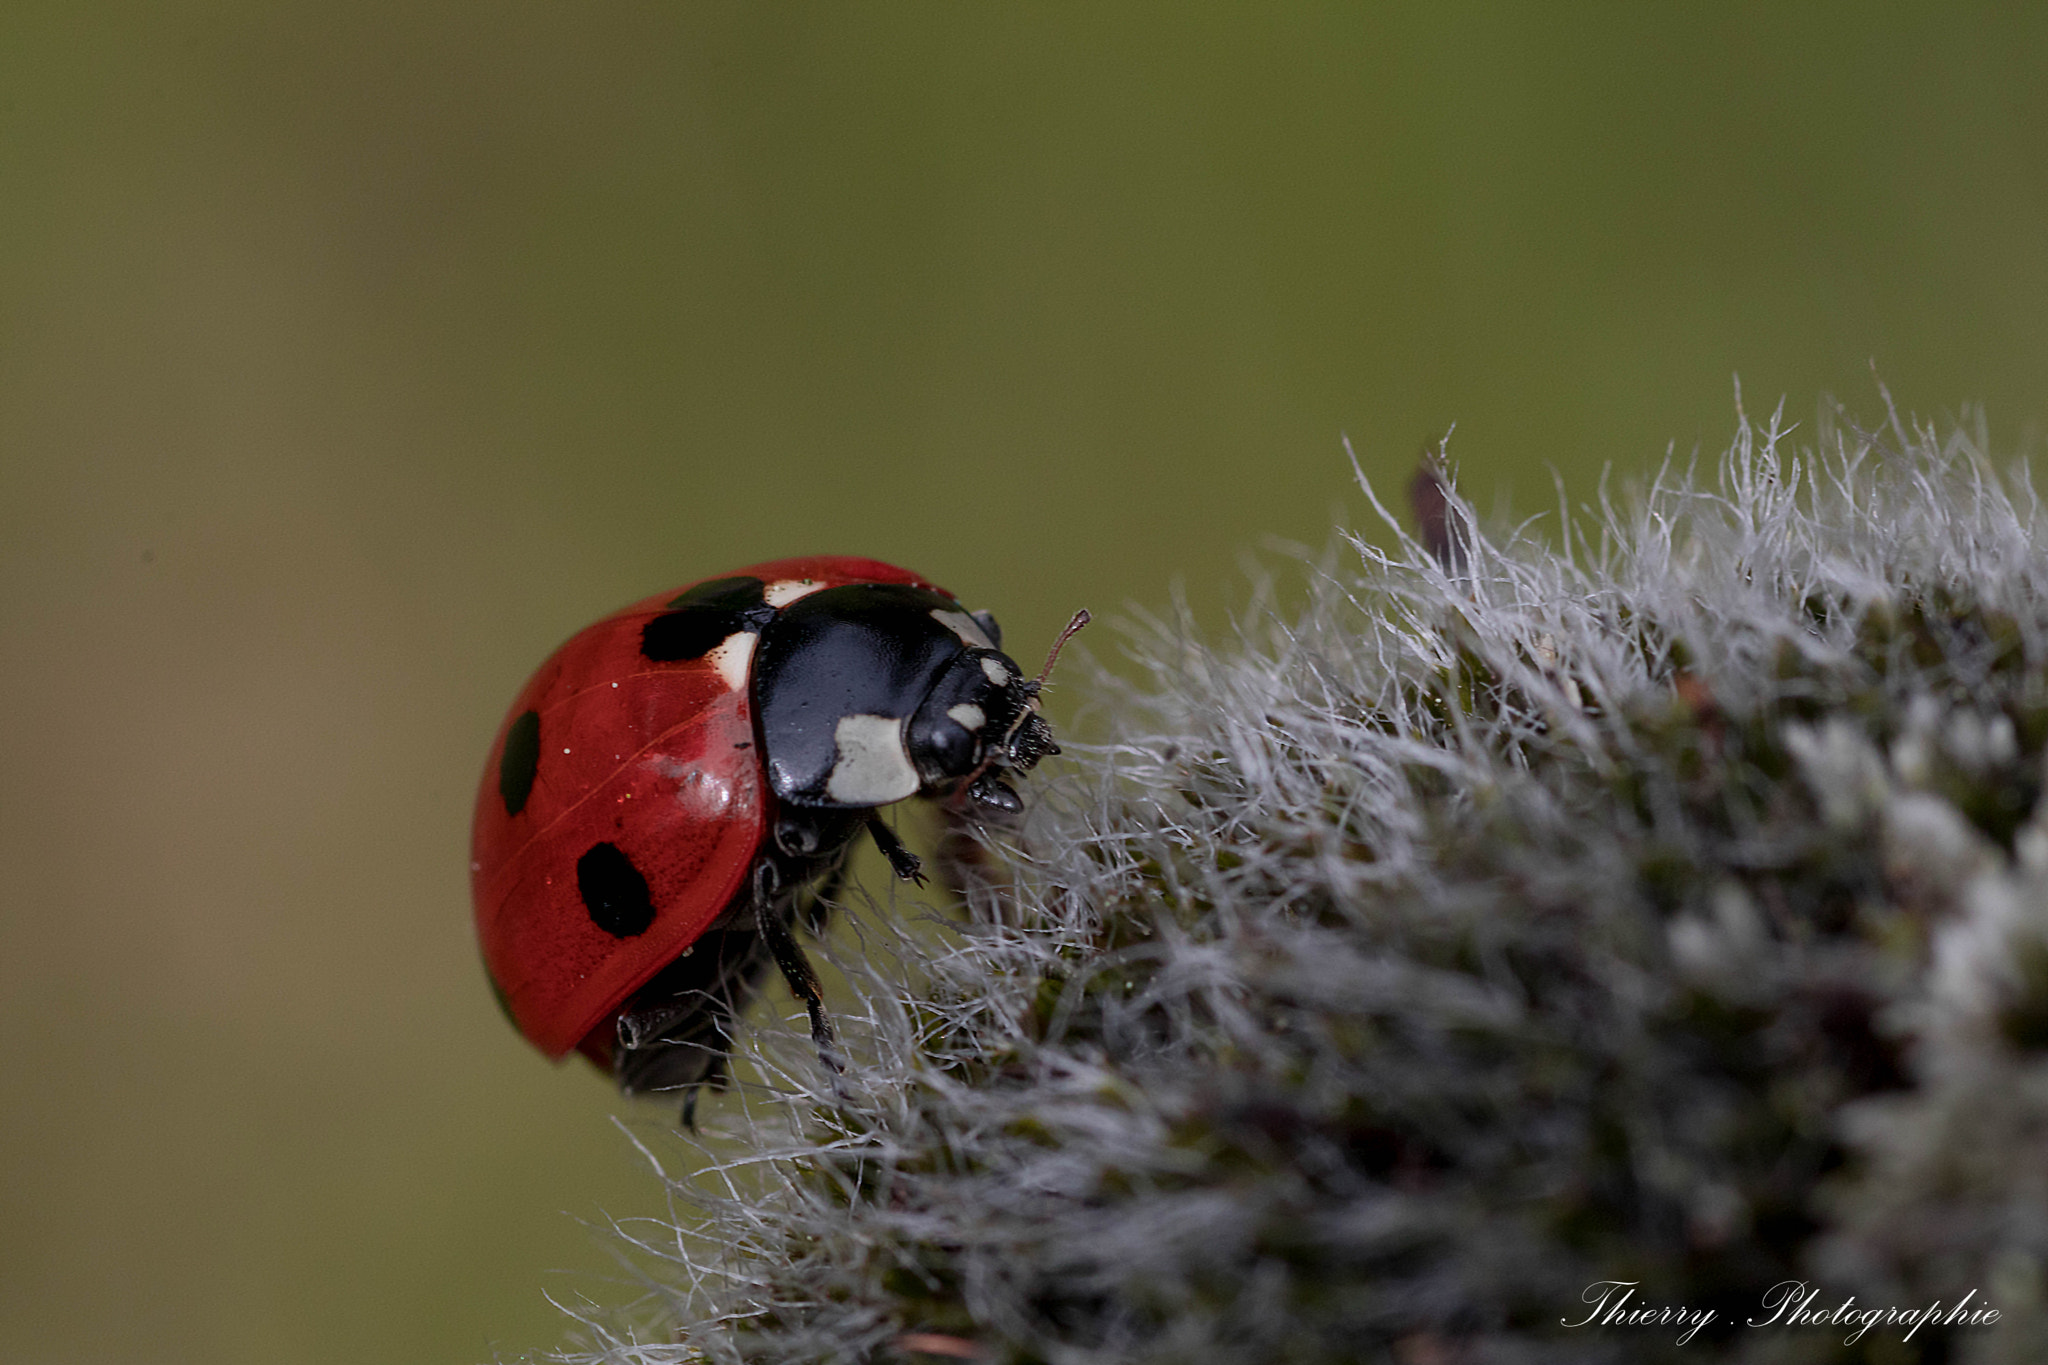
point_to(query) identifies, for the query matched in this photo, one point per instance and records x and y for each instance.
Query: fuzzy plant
(1655, 900)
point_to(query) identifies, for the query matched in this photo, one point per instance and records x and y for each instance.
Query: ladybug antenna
(1081, 618)
(1032, 688)
(993, 793)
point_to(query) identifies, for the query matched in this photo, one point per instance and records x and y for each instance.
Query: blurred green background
(351, 356)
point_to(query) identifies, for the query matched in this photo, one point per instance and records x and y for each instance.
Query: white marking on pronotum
(966, 627)
(874, 766)
(997, 674)
(731, 657)
(784, 591)
(967, 716)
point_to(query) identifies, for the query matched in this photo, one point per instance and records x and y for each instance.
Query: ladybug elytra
(675, 778)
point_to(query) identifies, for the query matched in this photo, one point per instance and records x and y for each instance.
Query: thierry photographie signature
(1787, 1304)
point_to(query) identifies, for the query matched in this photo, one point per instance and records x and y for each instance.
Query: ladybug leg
(676, 1034)
(796, 968)
(902, 861)
(994, 794)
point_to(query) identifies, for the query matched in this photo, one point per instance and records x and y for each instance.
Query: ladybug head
(980, 717)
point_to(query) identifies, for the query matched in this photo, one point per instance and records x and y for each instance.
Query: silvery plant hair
(1656, 893)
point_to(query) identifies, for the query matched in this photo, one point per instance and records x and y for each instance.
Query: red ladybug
(671, 780)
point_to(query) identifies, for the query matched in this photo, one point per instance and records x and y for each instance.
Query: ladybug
(682, 781)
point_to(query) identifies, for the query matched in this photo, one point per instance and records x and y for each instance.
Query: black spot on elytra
(519, 762)
(704, 617)
(690, 633)
(734, 594)
(614, 893)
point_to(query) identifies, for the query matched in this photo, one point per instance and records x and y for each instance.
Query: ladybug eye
(943, 746)
(960, 717)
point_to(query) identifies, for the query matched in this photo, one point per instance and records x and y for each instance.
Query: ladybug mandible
(674, 778)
